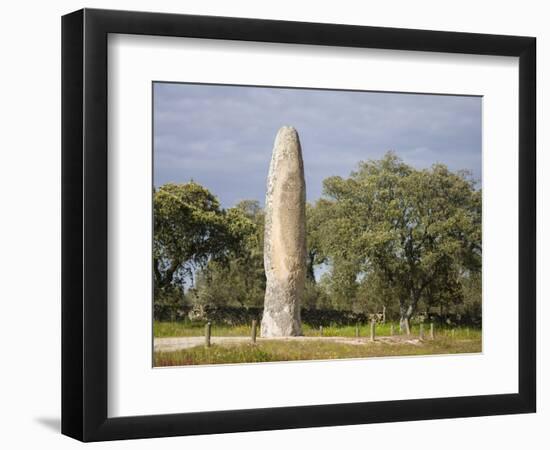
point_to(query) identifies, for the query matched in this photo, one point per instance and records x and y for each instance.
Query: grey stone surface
(285, 237)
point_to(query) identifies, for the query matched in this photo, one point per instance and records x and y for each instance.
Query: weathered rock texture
(285, 237)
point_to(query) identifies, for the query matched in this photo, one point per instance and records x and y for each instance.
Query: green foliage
(315, 297)
(233, 284)
(170, 303)
(388, 236)
(408, 234)
(471, 289)
(239, 281)
(191, 230)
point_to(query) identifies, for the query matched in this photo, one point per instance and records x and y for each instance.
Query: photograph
(294, 224)
(273, 226)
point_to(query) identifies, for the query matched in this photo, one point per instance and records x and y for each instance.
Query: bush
(170, 305)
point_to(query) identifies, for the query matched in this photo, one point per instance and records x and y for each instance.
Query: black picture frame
(84, 224)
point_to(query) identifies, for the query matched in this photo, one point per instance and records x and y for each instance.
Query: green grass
(267, 351)
(187, 329)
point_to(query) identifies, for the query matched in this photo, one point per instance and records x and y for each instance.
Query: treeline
(232, 315)
(387, 236)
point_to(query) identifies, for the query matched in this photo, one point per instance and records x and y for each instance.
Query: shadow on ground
(52, 423)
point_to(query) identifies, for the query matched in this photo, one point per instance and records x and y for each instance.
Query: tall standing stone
(285, 237)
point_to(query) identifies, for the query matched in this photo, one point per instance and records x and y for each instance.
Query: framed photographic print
(272, 224)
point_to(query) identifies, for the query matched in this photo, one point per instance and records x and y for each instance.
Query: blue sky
(222, 136)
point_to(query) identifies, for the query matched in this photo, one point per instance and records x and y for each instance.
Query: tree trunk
(164, 280)
(406, 313)
(310, 273)
(158, 275)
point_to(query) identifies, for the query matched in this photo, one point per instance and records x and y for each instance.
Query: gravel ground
(180, 343)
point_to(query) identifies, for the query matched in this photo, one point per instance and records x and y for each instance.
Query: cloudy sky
(222, 136)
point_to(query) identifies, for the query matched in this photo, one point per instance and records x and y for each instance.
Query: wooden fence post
(432, 330)
(392, 330)
(254, 331)
(407, 327)
(207, 334)
(383, 314)
(356, 330)
(372, 330)
(321, 330)
(421, 332)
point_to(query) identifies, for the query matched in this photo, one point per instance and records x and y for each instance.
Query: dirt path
(181, 343)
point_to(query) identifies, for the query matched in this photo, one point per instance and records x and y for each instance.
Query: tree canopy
(389, 235)
(190, 230)
(415, 233)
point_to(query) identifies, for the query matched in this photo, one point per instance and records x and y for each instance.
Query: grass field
(187, 329)
(447, 341)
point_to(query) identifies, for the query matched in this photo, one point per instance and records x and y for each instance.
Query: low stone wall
(241, 316)
(226, 315)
